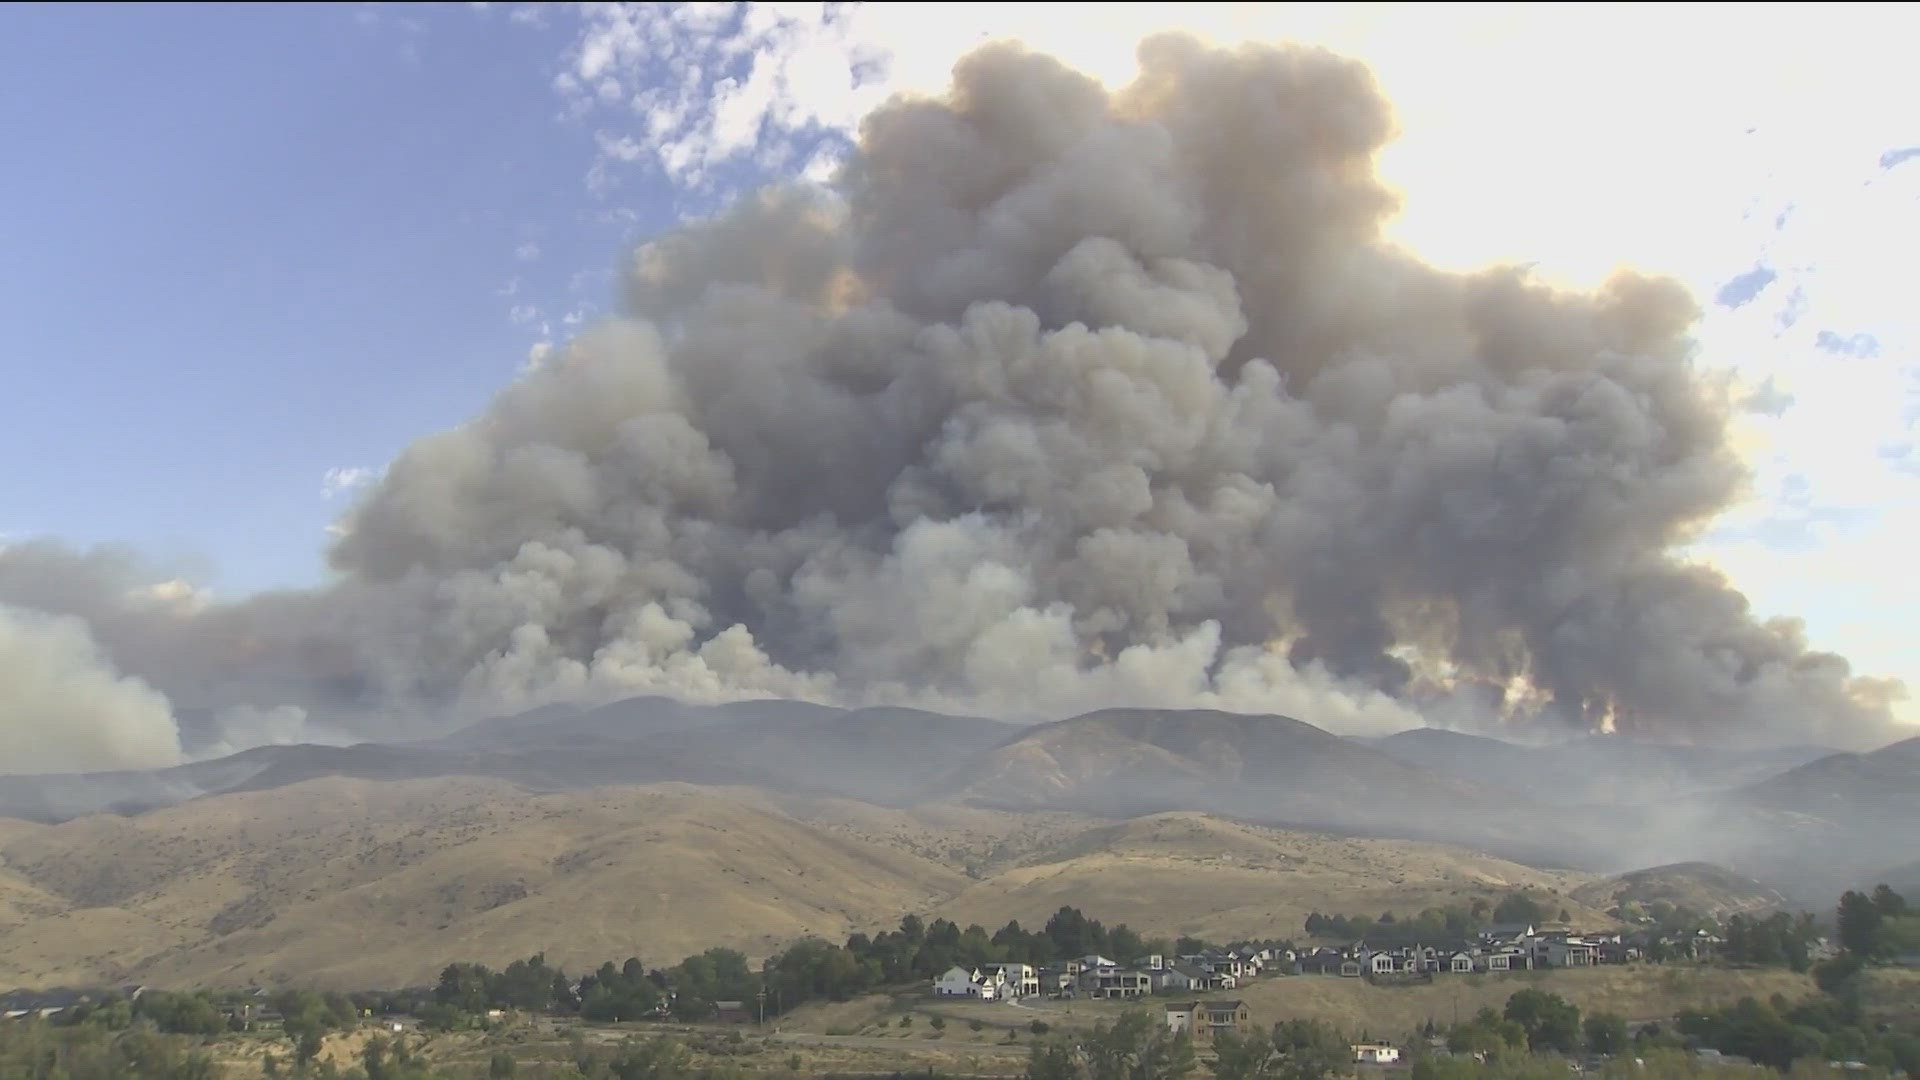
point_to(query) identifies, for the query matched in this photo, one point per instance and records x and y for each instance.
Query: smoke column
(1057, 398)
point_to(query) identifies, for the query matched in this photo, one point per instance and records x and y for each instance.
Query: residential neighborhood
(1505, 947)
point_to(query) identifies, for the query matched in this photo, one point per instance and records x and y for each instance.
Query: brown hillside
(362, 883)
(1701, 887)
(1188, 873)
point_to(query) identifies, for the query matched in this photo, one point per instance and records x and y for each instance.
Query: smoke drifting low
(1057, 398)
(65, 709)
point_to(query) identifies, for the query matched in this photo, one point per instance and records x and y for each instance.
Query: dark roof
(1224, 1006)
(43, 999)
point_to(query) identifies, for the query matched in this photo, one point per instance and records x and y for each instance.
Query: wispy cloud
(1895, 157)
(344, 480)
(690, 89)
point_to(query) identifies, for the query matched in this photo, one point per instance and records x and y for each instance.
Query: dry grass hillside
(1701, 887)
(355, 883)
(1188, 873)
(348, 882)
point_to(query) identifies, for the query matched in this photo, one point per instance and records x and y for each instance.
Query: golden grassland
(340, 883)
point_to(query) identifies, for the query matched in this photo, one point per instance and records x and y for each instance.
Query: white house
(1017, 980)
(959, 982)
(1375, 1054)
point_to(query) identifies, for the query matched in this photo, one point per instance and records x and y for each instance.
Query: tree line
(1433, 924)
(1879, 925)
(810, 969)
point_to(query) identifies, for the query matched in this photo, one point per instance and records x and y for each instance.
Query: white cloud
(527, 252)
(343, 480)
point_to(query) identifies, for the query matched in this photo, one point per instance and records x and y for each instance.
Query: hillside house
(1324, 960)
(1218, 1016)
(1375, 1054)
(1199, 978)
(1017, 980)
(1203, 1020)
(1114, 982)
(1056, 980)
(959, 982)
(1176, 979)
(1565, 950)
(1225, 963)
(1510, 958)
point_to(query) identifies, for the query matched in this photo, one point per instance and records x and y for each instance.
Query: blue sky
(249, 247)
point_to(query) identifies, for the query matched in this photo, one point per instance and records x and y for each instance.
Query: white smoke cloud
(63, 707)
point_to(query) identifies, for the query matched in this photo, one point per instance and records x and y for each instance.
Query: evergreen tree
(1859, 922)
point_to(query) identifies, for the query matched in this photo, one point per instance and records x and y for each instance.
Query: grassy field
(540, 1042)
(1892, 995)
(883, 1034)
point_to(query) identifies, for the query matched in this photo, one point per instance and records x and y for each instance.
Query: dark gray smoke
(1059, 398)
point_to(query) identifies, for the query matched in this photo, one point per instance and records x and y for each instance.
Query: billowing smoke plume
(63, 708)
(1058, 398)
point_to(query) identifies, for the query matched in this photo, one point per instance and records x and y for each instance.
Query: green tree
(1518, 907)
(1136, 1047)
(1550, 1021)
(1051, 1061)
(659, 1058)
(1859, 921)
(1309, 1050)
(501, 1066)
(1242, 1057)
(1606, 1033)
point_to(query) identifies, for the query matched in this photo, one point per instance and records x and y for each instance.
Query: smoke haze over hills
(1054, 399)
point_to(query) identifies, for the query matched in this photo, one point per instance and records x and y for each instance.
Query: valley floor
(882, 1035)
